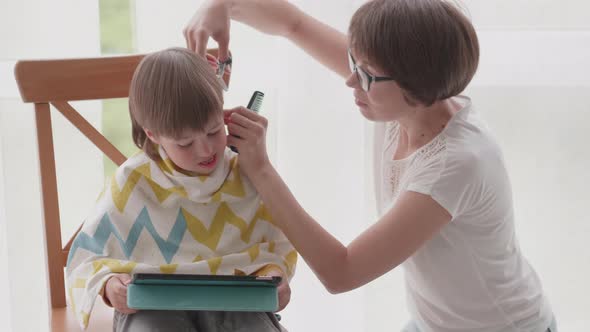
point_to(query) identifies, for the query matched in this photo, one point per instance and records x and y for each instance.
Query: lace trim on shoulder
(432, 150)
(397, 173)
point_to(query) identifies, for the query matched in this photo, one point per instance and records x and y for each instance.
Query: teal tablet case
(211, 293)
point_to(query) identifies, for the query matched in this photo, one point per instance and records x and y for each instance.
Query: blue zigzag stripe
(105, 228)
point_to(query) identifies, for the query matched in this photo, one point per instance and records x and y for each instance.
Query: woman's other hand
(284, 289)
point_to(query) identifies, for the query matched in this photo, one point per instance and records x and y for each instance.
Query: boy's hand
(283, 288)
(116, 292)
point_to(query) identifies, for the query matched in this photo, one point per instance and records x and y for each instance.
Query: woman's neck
(421, 125)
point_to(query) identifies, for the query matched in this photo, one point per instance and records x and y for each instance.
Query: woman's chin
(366, 112)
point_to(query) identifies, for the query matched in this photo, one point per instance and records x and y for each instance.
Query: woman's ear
(151, 136)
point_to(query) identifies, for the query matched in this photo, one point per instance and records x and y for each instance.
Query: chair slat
(75, 79)
(89, 131)
(50, 205)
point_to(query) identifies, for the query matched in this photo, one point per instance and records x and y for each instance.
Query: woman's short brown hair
(428, 46)
(171, 91)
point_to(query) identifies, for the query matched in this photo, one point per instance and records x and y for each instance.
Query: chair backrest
(57, 82)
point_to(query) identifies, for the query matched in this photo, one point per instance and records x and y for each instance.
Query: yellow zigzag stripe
(78, 283)
(211, 237)
(160, 192)
(104, 188)
(121, 196)
(114, 265)
(290, 261)
(253, 251)
(214, 264)
(168, 268)
(85, 318)
(232, 187)
(262, 213)
(271, 244)
(167, 166)
(71, 294)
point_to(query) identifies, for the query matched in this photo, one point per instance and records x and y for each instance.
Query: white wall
(33, 29)
(533, 88)
(541, 115)
(5, 310)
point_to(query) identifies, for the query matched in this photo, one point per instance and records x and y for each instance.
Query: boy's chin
(198, 171)
(202, 171)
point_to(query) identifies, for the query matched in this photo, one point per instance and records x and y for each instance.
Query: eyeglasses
(364, 78)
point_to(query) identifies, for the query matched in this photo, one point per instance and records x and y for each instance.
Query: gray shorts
(196, 321)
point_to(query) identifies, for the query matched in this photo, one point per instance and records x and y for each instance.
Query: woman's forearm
(325, 255)
(275, 17)
(278, 17)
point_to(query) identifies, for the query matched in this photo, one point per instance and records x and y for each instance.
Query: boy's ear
(151, 136)
(212, 61)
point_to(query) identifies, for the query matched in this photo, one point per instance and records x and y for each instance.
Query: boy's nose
(204, 149)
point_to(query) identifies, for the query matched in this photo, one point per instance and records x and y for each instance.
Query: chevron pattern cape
(154, 218)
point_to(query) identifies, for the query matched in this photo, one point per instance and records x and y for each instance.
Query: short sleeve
(451, 180)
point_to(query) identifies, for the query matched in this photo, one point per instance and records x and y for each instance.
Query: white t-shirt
(471, 276)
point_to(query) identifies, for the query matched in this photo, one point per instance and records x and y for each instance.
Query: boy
(179, 206)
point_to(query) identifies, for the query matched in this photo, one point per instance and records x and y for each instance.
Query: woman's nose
(352, 80)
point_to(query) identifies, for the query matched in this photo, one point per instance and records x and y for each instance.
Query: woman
(443, 190)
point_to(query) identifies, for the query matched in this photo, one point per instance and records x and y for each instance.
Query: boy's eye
(185, 145)
(214, 133)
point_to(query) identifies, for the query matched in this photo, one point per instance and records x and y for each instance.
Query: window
(116, 37)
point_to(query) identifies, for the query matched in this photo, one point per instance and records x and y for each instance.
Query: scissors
(221, 67)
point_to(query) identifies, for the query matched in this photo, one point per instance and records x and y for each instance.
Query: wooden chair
(56, 82)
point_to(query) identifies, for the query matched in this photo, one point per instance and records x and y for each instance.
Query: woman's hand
(212, 19)
(247, 132)
(284, 294)
(116, 293)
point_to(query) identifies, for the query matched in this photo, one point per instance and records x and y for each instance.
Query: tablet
(154, 291)
(204, 279)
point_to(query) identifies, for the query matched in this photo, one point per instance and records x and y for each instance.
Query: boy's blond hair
(171, 91)
(428, 46)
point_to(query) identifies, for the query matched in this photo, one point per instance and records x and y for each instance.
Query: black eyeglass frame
(364, 77)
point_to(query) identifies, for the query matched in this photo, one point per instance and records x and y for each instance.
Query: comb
(255, 101)
(254, 105)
